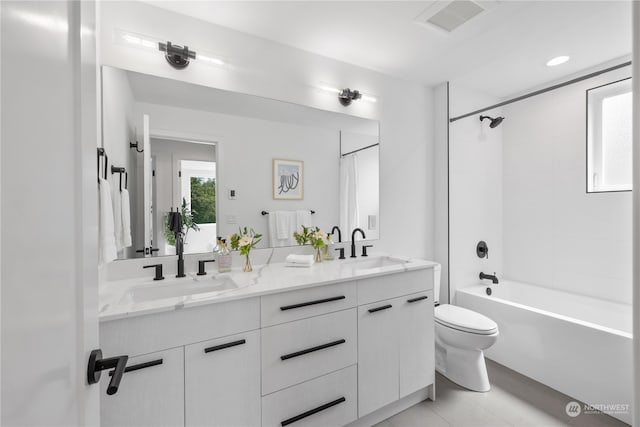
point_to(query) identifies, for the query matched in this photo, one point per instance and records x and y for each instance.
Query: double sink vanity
(341, 342)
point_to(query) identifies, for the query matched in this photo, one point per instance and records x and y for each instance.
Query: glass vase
(318, 255)
(247, 264)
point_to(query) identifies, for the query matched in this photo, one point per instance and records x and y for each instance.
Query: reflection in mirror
(212, 153)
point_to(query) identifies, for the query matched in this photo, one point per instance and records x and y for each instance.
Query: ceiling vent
(448, 15)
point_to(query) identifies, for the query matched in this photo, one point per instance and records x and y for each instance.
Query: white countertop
(265, 279)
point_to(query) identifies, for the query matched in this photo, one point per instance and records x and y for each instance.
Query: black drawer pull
(305, 304)
(312, 412)
(140, 366)
(223, 346)
(384, 307)
(312, 349)
(416, 299)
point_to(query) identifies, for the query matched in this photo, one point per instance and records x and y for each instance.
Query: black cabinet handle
(312, 349)
(141, 366)
(384, 307)
(312, 412)
(416, 299)
(318, 301)
(223, 346)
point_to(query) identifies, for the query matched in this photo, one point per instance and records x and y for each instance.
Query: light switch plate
(373, 222)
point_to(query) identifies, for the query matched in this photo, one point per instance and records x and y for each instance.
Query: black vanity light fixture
(347, 95)
(494, 122)
(178, 56)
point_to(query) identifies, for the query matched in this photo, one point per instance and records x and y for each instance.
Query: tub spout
(493, 277)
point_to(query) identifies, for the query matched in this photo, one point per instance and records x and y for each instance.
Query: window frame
(589, 169)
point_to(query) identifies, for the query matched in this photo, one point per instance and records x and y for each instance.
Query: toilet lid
(464, 320)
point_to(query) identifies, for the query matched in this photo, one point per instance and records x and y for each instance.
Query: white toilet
(462, 335)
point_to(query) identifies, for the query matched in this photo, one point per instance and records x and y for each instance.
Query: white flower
(321, 235)
(244, 241)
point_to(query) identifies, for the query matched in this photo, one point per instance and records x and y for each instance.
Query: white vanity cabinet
(151, 392)
(222, 381)
(395, 339)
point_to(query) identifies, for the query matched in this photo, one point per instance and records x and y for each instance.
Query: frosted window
(610, 137)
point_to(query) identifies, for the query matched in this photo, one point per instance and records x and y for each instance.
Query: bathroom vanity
(342, 342)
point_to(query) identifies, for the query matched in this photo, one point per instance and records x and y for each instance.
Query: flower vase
(247, 264)
(318, 255)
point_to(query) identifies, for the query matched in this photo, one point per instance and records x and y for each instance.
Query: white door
(222, 381)
(49, 288)
(377, 356)
(415, 333)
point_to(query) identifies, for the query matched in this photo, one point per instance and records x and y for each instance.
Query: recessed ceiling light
(557, 61)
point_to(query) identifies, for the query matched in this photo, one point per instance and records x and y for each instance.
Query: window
(609, 137)
(199, 189)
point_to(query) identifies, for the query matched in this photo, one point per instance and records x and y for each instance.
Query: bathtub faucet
(493, 277)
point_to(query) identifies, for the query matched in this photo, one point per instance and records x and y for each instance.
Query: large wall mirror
(226, 160)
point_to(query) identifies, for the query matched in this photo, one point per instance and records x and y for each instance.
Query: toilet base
(466, 368)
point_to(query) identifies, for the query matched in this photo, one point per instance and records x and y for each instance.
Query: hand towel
(116, 197)
(303, 218)
(296, 265)
(106, 237)
(281, 225)
(126, 219)
(300, 260)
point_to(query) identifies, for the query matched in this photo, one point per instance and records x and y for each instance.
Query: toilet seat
(464, 320)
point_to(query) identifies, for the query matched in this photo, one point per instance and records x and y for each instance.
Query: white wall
(246, 148)
(555, 234)
(475, 190)
(268, 69)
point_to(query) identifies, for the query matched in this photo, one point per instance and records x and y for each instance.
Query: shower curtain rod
(541, 91)
(359, 149)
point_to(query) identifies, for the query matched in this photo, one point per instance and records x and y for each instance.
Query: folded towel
(126, 219)
(296, 265)
(106, 233)
(300, 259)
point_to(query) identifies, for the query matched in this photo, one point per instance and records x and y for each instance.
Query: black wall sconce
(347, 95)
(177, 56)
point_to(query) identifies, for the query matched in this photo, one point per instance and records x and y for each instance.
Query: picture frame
(288, 179)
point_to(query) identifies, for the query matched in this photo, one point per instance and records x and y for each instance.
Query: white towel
(282, 224)
(300, 260)
(126, 218)
(294, 260)
(303, 218)
(116, 197)
(106, 237)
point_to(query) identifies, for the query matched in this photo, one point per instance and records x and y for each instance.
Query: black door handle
(97, 364)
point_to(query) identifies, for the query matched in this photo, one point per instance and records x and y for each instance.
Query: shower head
(494, 122)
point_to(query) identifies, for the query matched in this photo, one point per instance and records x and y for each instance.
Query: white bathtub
(578, 345)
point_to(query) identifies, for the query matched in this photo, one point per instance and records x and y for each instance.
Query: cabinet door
(151, 392)
(222, 381)
(377, 356)
(415, 332)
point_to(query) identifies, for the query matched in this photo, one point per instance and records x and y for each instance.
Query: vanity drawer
(152, 332)
(330, 400)
(298, 351)
(295, 305)
(394, 285)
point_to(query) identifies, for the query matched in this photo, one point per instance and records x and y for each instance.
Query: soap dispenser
(224, 258)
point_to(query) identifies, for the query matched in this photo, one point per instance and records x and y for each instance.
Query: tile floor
(514, 400)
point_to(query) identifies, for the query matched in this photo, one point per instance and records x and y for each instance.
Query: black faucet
(493, 277)
(353, 241)
(201, 271)
(333, 230)
(158, 267)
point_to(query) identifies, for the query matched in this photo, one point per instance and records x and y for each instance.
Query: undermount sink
(177, 288)
(374, 262)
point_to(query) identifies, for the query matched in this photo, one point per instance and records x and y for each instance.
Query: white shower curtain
(349, 212)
